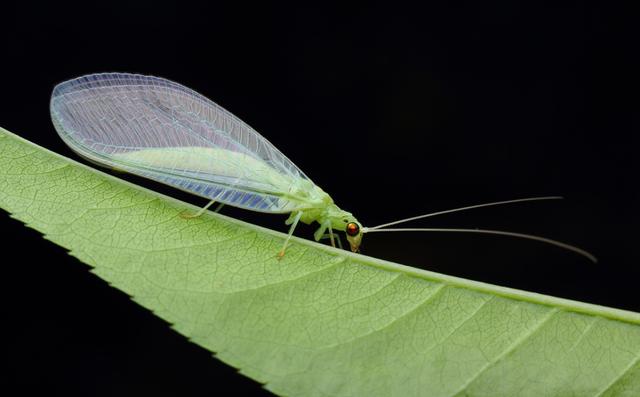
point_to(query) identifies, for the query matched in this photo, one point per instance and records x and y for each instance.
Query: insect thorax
(320, 207)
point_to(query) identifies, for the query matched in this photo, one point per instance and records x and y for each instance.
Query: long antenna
(463, 209)
(498, 232)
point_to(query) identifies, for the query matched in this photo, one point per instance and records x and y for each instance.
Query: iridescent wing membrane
(163, 131)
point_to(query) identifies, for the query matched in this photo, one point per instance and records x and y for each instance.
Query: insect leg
(333, 242)
(201, 210)
(320, 233)
(294, 223)
(337, 239)
(219, 207)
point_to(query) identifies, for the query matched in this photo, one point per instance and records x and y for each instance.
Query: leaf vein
(367, 296)
(332, 264)
(617, 379)
(509, 350)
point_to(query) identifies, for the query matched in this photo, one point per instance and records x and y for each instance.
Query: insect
(161, 130)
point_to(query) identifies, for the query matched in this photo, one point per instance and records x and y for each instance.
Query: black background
(394, 111)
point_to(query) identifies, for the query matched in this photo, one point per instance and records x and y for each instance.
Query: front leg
(321, 230)
(336, 237)
(320, 234)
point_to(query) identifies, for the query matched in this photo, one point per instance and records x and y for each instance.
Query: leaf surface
(321, 321)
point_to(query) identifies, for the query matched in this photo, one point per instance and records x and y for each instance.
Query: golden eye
(353, 229)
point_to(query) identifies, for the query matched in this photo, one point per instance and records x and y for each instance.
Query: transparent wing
(161, 130)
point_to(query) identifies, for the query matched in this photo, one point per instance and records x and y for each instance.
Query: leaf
(321, 321)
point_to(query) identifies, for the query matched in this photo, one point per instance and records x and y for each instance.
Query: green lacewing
(161, 130)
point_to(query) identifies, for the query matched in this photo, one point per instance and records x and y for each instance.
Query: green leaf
(321, 321)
